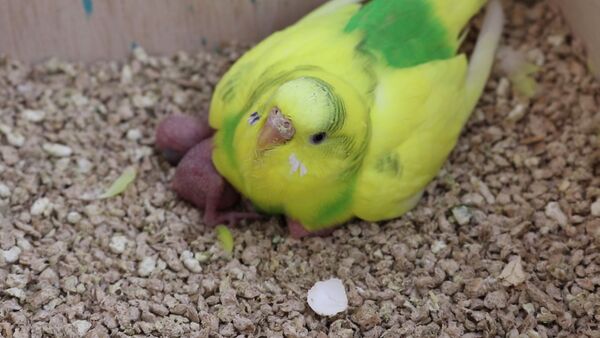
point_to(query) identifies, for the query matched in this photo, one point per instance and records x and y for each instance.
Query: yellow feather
(400, 123)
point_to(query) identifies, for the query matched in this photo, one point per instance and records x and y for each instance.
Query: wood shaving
(513, 269)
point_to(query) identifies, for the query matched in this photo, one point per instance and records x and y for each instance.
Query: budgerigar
(350, 112)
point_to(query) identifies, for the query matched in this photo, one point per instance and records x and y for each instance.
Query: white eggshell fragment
(328, 298)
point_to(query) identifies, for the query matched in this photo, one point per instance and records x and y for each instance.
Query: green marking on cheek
(340, 207)
(332, 211)
(228, 137)
(336, 209)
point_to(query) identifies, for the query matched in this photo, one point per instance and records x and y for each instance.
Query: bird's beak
(277, 130)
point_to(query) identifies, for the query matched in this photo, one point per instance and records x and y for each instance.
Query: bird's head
(317, 127)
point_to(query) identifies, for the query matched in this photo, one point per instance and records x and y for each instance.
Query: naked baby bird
(350, 112)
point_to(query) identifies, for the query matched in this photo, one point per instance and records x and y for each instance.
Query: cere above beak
(277, 130)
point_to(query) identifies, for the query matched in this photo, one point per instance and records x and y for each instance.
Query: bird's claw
(298, 231)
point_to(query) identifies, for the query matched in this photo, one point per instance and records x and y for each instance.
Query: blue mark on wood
(133, 45)
(88, 7)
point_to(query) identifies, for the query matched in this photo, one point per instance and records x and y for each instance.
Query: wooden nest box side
(91, 30)
(94, 30)
(583, 16)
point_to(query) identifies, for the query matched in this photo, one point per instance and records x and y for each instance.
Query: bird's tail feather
(482, 59)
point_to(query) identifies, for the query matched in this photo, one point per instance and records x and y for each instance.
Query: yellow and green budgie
(353, 110)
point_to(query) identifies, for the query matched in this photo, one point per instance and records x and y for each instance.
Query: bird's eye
(318, 138)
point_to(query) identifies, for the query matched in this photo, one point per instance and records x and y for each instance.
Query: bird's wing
(418, 115)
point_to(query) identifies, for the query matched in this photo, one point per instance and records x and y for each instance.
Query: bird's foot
(298, 231)
(197, 181)
(187, 142)
(231, 218)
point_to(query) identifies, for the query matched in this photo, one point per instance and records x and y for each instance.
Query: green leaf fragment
(519, 71)
(120, 184)
(523, 79)
(225, 237)
(202, 256)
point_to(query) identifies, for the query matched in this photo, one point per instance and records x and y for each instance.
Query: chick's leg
(298, 231)
(177, 134)
(197, 181)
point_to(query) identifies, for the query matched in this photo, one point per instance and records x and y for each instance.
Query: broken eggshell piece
(328, 298)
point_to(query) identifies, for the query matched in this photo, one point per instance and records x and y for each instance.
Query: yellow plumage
(390, 126)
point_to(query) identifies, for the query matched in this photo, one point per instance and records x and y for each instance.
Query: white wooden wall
(89, 30)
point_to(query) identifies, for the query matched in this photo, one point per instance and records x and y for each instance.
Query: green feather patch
(405, 32)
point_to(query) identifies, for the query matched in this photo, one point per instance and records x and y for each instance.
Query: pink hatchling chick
(187, 142)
